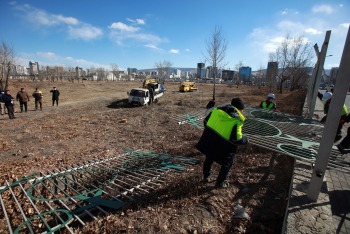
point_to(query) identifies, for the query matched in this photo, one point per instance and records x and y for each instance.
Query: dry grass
(87, 124)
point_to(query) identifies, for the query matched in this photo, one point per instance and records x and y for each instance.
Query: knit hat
(238, 103)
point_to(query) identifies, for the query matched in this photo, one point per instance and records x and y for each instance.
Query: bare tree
(115, 70)
(260, 75)
(7, 57)
(292, 55)
(163, 67)
(216, 51)
(238, 76)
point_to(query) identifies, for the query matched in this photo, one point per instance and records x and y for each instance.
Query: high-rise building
(245, 73)
(200, 69)
(78, 71)
(272, 68)
(33, 68)
(228, 75)
(132, 70)
(176, 73)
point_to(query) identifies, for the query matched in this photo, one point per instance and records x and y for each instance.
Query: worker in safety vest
(269, 104)
(221, 136)
(326, 99)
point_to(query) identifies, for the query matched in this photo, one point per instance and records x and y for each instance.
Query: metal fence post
(318, 74)
(333, 117)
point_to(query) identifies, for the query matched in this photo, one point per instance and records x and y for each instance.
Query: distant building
(228, 75)
(176, 73)
(200, 69)
(272, 68)
(132, 70)
(78, 71)
(245, 73)
(33, 68)
(333, 74)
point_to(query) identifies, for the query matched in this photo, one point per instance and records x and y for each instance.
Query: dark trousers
(37, 102)
(53, 102)
(225, 168)
(11, 111)
(346, 141)
(21, 105)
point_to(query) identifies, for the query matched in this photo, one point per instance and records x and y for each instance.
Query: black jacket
(55, 94)
(214, 145)
(1, 97)
(211, 104)
(7, 99)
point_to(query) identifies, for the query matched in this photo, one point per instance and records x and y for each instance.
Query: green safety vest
(223, 123)
(343, 112)
(264, 105)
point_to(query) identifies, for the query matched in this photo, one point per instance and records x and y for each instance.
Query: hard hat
(327, 96)
(271, 95)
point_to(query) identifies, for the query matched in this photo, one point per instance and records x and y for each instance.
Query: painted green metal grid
(83, 186)
(287, 134)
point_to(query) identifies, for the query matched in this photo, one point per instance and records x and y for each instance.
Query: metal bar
(5, 213)
(333, 118)
(68, 228)
(321, 59)
(78, 204)
(34, 206)
(20, 208)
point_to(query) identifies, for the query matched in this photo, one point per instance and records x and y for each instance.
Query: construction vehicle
(151, 92)
(187, 86)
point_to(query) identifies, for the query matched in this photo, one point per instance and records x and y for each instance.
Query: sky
(140, 33)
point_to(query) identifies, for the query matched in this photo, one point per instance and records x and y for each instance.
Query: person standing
(23, 98)
(268, 104)
(55, 96)
(2, 103)
(38, 95)
(9, 103)
(221, 136)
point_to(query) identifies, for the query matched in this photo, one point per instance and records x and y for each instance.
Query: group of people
(8, 102)
(223, 133)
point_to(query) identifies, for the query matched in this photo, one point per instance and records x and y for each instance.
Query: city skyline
(96, 34)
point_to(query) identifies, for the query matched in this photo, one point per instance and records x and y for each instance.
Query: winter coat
(214, 145)
(211, 104)
(55, 94)
(1, 98)
(38, 95)
(22, 96)
(7, 99)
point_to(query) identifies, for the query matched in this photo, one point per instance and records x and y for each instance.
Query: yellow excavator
(187, 86)
(148, 81)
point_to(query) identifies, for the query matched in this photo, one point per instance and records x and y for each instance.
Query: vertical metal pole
(318, 73)
(325, 77)
(333, 118)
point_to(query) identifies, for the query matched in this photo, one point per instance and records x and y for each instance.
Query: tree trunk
(214, 87)
(281, 87)
(7, 77)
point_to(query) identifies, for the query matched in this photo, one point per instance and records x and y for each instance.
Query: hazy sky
(140, 33)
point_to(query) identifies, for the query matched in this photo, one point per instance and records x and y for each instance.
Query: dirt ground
(87, 124)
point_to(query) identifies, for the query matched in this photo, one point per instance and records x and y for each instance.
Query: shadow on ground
(123, 103)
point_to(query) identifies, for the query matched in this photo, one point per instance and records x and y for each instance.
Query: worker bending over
(221, 136)
(269, 104)
(326, 99)
(345, 143)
